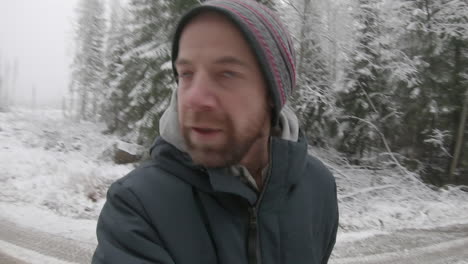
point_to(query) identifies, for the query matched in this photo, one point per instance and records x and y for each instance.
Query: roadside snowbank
(28, 256)
(48, 161)
(389, 199)
(31, 216)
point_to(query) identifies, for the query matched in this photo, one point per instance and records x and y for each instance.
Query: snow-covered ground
(372, 201)
(51, 162)
(54, 176)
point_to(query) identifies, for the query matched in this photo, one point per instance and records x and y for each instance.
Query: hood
(170, 130)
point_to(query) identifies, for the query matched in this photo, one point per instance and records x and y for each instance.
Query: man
(230, 180)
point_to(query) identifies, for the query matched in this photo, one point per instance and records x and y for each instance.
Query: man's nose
(201, 93)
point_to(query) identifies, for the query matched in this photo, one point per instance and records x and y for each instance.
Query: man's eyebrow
(231, 60)
(182, 61)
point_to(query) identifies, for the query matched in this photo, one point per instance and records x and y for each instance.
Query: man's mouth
(205, 131)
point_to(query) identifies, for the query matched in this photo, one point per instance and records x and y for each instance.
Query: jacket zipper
(253, 245)
(253, 236)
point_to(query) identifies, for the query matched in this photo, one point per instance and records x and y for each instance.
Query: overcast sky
(38, 33)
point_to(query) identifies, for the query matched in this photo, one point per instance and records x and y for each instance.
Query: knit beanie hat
(265, 34)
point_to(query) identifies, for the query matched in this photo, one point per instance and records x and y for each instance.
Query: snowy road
(445, 253)
(25, 245)
(7, 259)
(447, 245)
(437, 246)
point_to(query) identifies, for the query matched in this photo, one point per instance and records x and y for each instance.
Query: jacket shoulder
(325, 184)
(151, 175)
(160, 194)
(155, 187)
(142, 217)
(319, 172)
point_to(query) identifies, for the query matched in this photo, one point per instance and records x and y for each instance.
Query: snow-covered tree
(2, 84)
(88, 64)
(143, 83)
(377, 69)
(7, 80)
(436, 34)
(460, 144)
(118, 40)
(375, 77)
(313, 98)
(269, 3)
(364, 96)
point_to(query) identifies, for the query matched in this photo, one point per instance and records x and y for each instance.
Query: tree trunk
(95, 104)
(33, 97)
(303, 45)
(269, 3)
(1, 90)
(13, 82)
(71, 103)
(84, 103)
(64, 107)
(459, 142)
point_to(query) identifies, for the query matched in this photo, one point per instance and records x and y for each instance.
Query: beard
(230, 146)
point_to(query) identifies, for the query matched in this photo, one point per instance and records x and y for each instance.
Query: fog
(38, 35)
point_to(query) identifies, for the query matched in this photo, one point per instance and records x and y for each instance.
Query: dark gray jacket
(171, 211)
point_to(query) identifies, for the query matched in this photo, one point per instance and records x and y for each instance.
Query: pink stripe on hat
(270, 58)
(272, 28)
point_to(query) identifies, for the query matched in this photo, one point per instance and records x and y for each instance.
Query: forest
(382, 82)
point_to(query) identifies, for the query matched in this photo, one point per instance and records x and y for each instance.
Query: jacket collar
(287, 160)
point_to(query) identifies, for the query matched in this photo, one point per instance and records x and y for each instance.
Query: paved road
(438, 246)
(448, 245)
(444, 253)
(43, 243)
(7, 259)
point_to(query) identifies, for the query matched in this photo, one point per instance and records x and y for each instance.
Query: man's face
(222, 96)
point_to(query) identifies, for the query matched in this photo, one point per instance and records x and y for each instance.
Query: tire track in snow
(449, 252)
(61, 248)
(13, 254)
(443, 245)
(7, 259)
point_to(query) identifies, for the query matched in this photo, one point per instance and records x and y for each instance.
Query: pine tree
(2, 107)
(378, 67)
(270, 3)
(88, 65)
(5, 87)
(437, 35)
(14, 79)
(313, 98)
(117, 43)
(145, 77)
(364, 80)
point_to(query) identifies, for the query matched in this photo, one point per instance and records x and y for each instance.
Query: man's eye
(184, 75)
(229, 74)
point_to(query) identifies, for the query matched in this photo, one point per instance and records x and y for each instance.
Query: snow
(355, 236)
(27, 215)
(387, 199)
(132, 149)
(48, 161)
(395, 255)
(28, 256)
(57, 170)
